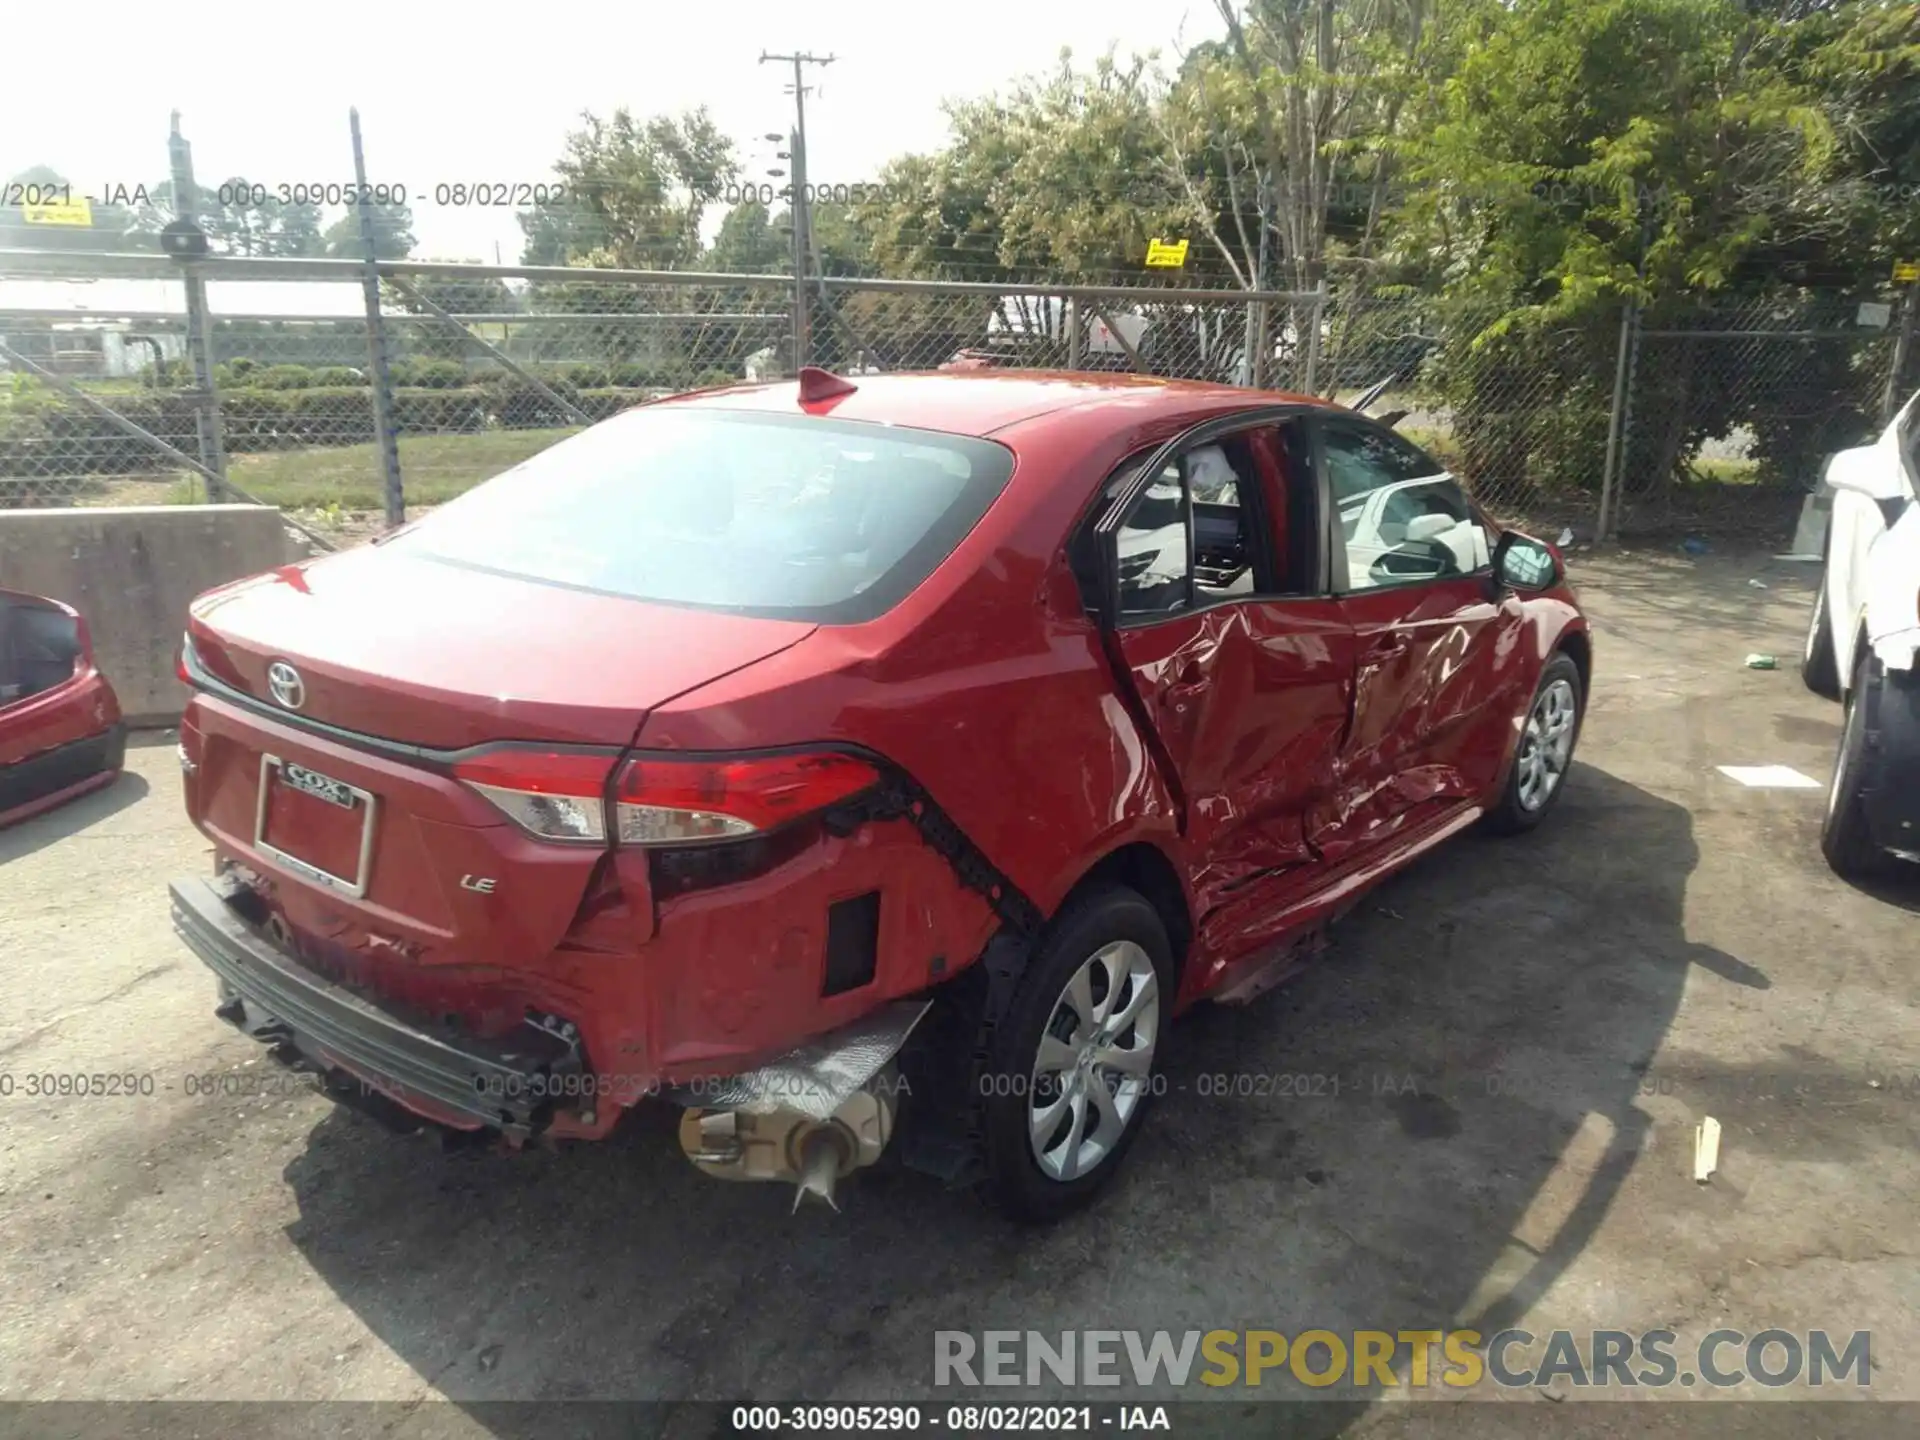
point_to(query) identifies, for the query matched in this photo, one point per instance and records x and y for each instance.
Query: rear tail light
(678, 802)
(556, 795)
(180, 670)
(560, 795)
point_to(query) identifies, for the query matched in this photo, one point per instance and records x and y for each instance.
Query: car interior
(1228, 506)
(38, 648)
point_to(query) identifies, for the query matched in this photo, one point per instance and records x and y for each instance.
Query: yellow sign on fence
(1167, 254)
(70, 212)
(1905, 272)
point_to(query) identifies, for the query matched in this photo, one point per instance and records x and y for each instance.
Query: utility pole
(799, 207)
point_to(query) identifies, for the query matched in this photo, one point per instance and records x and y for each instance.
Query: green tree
(637, 192)
(392, 234)
(749, 243)
(239, 219)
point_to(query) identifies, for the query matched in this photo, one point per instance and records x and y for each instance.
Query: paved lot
(1524, 1034)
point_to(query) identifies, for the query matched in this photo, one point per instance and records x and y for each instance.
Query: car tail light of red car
(661, 800)
(556, 795)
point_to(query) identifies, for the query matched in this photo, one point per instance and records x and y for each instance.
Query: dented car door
(1239, 663)
(1434, 646)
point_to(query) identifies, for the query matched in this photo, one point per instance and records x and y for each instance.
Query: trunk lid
(445, 656)
(390, 873)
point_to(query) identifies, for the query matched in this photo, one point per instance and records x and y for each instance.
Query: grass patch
(433, 469)
(1720, 470)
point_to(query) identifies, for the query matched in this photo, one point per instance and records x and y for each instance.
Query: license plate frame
(365, 800)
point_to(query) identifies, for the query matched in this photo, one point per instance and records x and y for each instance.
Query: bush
(587, 377)
(420, 409)
(436, 374)
(706, 379)
(256, 419)
(282, 377)
(330, 415)
(240, 367)
(519, 406)
(338, 375)
(609, 400)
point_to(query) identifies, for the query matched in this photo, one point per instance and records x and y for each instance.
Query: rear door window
(790, 517)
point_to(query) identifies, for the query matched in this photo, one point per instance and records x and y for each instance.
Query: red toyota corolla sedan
(61, 734)
(839, 758)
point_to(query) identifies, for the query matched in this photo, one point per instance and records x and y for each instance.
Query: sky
(468, 93)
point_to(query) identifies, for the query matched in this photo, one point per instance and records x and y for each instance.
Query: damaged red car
(856, 764)
(61, 734)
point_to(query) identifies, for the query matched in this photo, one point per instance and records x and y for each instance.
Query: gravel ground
(1524, 1035)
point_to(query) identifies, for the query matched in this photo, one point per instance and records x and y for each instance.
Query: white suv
(1861, 644)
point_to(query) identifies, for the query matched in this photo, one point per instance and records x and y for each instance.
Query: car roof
(983, 402)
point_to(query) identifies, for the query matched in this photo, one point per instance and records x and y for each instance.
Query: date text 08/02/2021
(954, 1419)
(247, 194)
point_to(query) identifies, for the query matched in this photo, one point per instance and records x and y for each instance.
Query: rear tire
(1545, 752)
(1845, 838)
(1818, 667)
(1101, 987)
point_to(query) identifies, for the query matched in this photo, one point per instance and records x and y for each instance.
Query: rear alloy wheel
(1545, 753)
(1844, 837)
(1072, 1069)
(1818, 668)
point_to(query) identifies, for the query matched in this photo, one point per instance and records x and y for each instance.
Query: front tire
(1073, 1065)
(1545, 752)
(1818, 667)
(1845, 838)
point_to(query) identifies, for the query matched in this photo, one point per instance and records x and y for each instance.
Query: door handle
(1388, 647)
(1178, 690)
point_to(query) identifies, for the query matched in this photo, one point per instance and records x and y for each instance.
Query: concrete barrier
(131, 572)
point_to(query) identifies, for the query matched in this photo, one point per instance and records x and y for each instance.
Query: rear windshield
(785, 516)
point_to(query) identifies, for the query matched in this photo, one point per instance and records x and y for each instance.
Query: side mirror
(1866, 471)
(1524, 564)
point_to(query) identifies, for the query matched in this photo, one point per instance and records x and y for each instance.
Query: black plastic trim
(51, 771)
(497, 1087)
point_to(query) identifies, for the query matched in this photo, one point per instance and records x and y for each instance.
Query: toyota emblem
(287, 686)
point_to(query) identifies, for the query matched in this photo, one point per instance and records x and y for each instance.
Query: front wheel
(1545, 755)
(1845, 838)
(1072, 1066)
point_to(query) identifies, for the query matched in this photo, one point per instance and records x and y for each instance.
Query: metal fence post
(1260, 342)
(1902, 348)
(206, 398)
(383, 424)
(1076, 347)
(1616, 417)
(1315, 311)
(1613, 484)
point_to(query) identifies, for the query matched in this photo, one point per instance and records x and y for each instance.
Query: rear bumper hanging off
(270, 997)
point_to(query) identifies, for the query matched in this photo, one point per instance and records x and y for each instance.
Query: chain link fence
(1731, 409)
(1698, 418)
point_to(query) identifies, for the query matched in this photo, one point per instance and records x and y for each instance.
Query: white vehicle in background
(1862, 640)
(1048, 319)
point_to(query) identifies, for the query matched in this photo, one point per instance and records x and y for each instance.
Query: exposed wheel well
(1145, 868)
(1579, 649)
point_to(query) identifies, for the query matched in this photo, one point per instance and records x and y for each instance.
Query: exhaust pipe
(812, 1117)
(812, 1155)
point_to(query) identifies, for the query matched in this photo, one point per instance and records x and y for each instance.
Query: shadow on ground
(1356, 1150)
